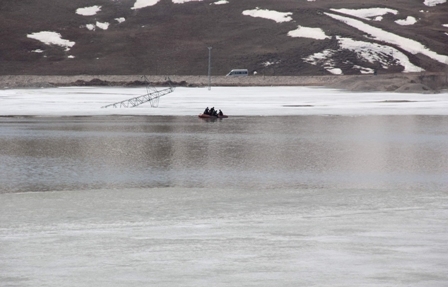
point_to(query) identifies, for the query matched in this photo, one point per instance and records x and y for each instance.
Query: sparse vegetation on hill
(169, 38)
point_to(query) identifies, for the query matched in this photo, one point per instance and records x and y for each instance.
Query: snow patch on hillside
(367, 13)
(270, 63)
(323, 59)
(406, 44)
(306, 32)
(144, 3)
(220, 2)
(364, 70)
(278, 17)
(120, 19)
(366, 52)
(376, 53)
(102, 25)
(185, 1)
(408, 21)
(51, 38)
(88, 11)
(432, 3)
(335, 71)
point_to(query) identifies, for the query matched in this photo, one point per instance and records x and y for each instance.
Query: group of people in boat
(213, 112)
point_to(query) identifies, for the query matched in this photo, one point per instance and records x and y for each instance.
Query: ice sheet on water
(222, 237)
(264, 101)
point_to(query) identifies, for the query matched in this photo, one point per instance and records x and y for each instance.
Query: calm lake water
(119, 201)
(48, 154)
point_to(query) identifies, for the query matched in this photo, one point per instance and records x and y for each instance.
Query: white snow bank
(335, 71)
(324, 59)
(251, 101)
(433, 2)
(324, 55)
(221, 2)
(120, 20)
(367, 13)
(378, 18)
(408, 21)
(51, 38)
(184, 1)
(409, 45)
(369, 52)
(102, 25)
(144, 3)
(278, 17)
(305, 32)
(88, 11)
(376, 53)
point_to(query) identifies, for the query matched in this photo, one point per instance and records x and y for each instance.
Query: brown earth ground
(173, 39)
(406, 83)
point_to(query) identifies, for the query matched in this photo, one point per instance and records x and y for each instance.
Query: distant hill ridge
(272, 38)
(398, 82)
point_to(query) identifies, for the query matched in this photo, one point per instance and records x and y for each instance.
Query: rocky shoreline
(408, 83)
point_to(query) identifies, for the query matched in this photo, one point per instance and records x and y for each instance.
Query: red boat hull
(204, 116)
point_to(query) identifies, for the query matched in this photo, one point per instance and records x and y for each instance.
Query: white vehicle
(238, 72)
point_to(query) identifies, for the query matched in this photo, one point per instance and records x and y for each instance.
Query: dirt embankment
(407, 83)
(400, 83)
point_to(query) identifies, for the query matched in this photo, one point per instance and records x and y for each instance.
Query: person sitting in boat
(212, 111)
(220, 113)
(206, 112)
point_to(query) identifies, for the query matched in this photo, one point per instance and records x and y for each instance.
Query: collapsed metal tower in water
(152, 96)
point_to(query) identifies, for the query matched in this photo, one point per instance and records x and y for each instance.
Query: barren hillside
(170, 37)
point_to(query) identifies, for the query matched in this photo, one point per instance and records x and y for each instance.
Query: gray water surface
(246, 201)
(81, 153)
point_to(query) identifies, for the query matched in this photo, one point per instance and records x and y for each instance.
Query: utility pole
(209, 66)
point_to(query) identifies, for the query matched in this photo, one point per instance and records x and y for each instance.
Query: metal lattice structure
(152, 96)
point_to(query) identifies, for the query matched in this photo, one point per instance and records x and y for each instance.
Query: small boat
(205, 116)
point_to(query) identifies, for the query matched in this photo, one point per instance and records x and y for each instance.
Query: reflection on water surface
(67, 153)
